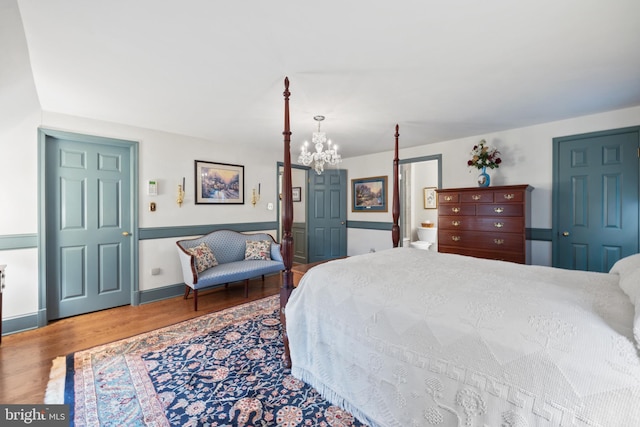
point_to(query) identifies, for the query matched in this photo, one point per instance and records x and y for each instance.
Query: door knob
(126, 233)
(565, 233)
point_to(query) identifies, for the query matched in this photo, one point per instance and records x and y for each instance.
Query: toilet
(427, 237)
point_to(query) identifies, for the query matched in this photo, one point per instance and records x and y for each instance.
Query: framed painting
(296, 193)
(430, 198)
(219, 183)
(369, 194)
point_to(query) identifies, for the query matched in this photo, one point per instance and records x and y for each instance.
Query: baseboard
(30, 321)
(20, 324)
(171, 291)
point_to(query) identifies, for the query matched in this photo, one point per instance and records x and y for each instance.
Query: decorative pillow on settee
(204, 257)
(258, 249)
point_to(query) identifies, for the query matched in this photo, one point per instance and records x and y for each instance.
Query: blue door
(596, 189)
(327, 215)
(89, 226)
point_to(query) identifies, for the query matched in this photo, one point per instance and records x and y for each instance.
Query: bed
(405, 337)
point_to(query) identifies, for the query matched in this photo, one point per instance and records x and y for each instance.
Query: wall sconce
(255, 196)
(180, 198)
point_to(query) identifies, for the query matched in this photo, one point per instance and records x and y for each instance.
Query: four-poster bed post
(287, 222)
(395, 228)
(287, 219)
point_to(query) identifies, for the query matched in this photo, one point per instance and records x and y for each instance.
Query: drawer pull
(448, 198)
(498, 224)
(455, 238)
(498, 241)
(476, 197)
(455, 210)
(509, 196)
(455, 223)
(498, 210)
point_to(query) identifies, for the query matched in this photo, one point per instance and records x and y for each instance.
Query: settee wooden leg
(263, 281)
(186, 291)
(246, 288)
(195, 300)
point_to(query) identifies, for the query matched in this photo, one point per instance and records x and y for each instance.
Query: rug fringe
(55, 388)
(330, 395)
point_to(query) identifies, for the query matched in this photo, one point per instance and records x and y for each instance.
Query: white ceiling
(441, 69)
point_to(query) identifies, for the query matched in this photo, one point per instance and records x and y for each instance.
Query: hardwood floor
(25, 357)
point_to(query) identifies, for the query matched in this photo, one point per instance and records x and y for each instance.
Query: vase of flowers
(484, 157)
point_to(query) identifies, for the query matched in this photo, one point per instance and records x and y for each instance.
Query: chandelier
(320, 156)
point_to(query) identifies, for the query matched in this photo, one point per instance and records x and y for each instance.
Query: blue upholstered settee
(225, 256)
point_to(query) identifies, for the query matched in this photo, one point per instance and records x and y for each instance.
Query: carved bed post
(287, 222)
(395, 229)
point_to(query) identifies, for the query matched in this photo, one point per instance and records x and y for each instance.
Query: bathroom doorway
(299, 227)
(417, 175)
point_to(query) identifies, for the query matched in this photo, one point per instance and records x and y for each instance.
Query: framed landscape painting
(219, 183)
(369, 194)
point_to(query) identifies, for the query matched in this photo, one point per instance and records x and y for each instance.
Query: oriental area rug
(220, 369)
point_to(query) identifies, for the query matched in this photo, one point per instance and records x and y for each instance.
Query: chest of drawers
(485, 222)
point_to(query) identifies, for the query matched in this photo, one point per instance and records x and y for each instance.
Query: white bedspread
(406, 337)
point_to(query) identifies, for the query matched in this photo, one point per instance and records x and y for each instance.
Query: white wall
(526, 159)
(360, 241)
(19, 119)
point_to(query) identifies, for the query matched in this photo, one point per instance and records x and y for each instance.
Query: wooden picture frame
(369, 194)
(219, 183)
(296, 194)
(430, 198)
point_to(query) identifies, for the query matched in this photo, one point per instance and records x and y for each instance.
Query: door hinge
(639, 152)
